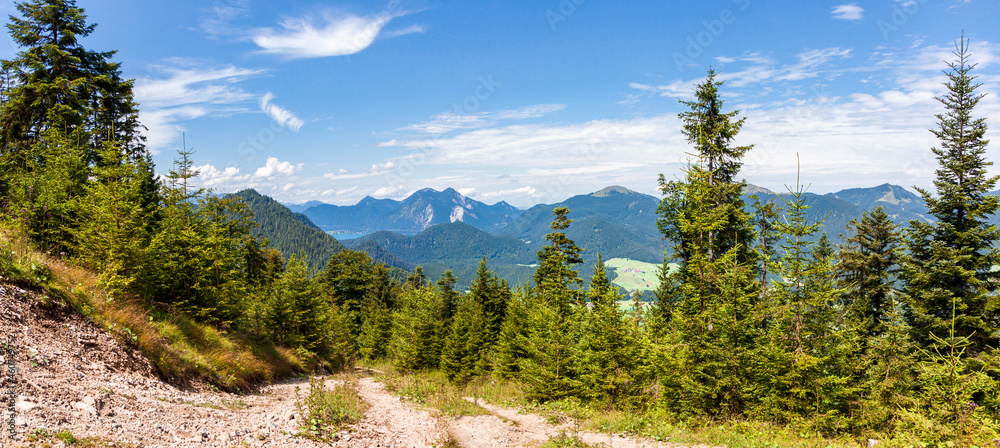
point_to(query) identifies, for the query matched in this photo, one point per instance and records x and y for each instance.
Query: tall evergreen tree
(59, 83)
(706, 220)
(950, 262)
(806, 370)
(347, 278)
(112, 236)
(553, 328)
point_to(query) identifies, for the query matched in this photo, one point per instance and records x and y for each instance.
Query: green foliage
(950, 263)
(462, 354)
(417, 330)
(347, 280)
(324, 410)
(286, 231)
(298, 313)
(610, 355)
(113, 220)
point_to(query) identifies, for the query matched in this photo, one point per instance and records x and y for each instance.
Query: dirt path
(509, 428)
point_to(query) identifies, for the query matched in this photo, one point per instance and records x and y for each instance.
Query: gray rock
(872, 443)
(85, 407)
(24, 405)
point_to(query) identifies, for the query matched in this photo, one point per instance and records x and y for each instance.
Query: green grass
(646, 279)
(326, 410)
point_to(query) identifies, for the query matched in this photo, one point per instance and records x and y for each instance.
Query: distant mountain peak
(614, 189)
(752, 189)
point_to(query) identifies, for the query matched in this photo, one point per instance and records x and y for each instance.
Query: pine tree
(461, 354)
(416, 335)
(511, 342)
(553, 327)
(867, 271)
(380, 301)
(57, 83)
(706, 220)
(111, 234)
(609, 355)
(492, 298)
(446, 287)
(949, 263)
(347, 279)
(806, 371)
(300, 310)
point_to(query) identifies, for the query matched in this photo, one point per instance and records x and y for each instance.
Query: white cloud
(218, 20)
(450, 121)
(274, 167)
(210, 176)
(375, 170)
(332, 36)
(280, 115)
(391, 191)
(523, 191)
(186, 89)
(849, 11)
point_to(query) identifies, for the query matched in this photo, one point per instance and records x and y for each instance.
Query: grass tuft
(325, 410)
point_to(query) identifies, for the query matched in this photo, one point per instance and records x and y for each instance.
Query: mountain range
(441, 230)
(416, 213)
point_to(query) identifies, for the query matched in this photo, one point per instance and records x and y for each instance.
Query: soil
(73, 376)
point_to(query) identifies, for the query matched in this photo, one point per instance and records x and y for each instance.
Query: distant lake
(346, 236)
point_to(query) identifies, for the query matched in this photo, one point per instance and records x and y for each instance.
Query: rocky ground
(73, 376)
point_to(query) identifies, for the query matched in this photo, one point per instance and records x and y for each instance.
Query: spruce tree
(112, 236)
(380, 302)
(347, 278)
(59, 83)
(416, 335)
(446, 287)
(461, 353)
(805, 372)
(950, 262)
(867, 271)
(705, 219)
(609, 355)
(553, 327)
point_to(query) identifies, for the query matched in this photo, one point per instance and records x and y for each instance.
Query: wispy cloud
(279, 114)
(218, 19)
(332, 35)
(450, 121)
(849, 11)
(758, 69)
(377, 169)
(186, 89)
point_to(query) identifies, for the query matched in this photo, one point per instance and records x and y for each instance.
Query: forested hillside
(289, 233)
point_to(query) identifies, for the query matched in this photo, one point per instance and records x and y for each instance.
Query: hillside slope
(290, 232)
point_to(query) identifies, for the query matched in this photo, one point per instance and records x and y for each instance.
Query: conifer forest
(890, 332)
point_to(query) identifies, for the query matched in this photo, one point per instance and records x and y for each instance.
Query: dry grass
(182, 351)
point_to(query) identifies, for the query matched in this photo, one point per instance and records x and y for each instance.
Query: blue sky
(534, 101)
